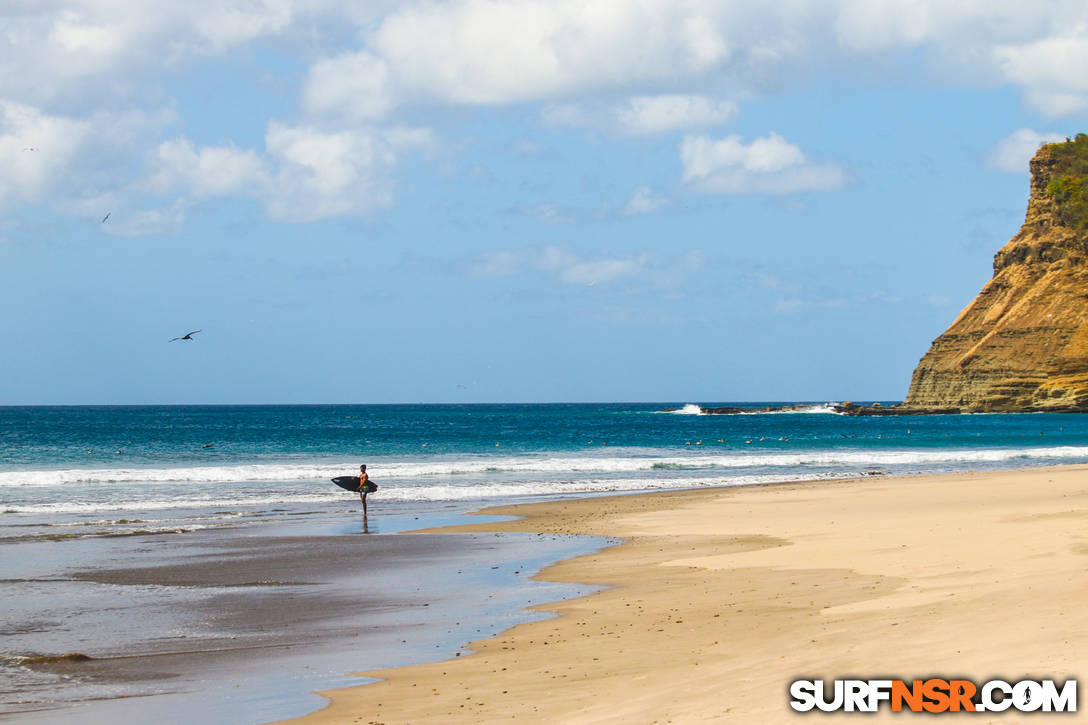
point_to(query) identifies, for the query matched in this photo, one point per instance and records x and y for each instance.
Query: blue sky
(509, 200)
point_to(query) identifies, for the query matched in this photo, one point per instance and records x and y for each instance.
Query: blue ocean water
(175, 467)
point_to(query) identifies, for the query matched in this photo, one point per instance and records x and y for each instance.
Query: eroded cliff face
(1022, 344)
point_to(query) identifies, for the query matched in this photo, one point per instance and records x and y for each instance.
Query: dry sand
(720, 598)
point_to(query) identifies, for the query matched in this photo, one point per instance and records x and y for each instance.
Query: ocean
(96, 470)
(86, 492)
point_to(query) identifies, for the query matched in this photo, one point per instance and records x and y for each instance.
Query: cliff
(1022, 344)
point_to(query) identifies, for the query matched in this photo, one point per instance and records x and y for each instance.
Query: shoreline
(718, 598)
(237, 625)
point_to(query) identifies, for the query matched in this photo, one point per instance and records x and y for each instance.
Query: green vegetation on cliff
(1069, 181)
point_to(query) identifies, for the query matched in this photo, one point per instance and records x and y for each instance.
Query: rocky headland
(1022, 344)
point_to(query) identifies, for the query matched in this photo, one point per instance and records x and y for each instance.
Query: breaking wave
(689, 409)
(577, 466)
(822, 409)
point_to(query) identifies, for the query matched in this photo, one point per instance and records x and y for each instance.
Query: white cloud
(1057, 104)
(602, 271)
(512, 51)
(72, 66)
(304, 174)
(323, 174)
(72, 34)
(570, 268)
(1051, 70)
(644, 201)
(36, 149)
(656, 114)
(769, 165)
(492, 52)
(79, 167)
(85, 168)
(410, 138)
(223, 25)
(644, 115)
(144, 222)
(52, 49)
(554, 258)
(354, 84)
(211, 171)
(1013, 152)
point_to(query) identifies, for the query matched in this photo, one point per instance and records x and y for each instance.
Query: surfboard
(351, 483)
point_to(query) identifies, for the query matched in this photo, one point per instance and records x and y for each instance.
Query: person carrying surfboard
(364, 486)
(360, 484)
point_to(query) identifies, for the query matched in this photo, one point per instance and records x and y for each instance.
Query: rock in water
(1022, 344)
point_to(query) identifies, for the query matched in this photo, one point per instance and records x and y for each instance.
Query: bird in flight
(105, 217)
(187, 336)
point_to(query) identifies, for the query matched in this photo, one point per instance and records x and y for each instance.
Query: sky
(475, 201)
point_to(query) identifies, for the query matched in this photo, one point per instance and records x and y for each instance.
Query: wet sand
(720, 598)
(231, 626)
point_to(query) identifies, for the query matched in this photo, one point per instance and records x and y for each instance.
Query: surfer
(364, 486)
(360, 484)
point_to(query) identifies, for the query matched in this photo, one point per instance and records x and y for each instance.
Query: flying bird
(187, 336)
(105, 217)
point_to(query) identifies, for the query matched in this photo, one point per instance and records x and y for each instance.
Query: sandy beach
(720, 598)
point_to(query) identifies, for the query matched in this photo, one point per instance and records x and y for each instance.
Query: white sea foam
(194, 474)
(688, 409)
(825, 408)
(101, 506)
(723, 471)
(477, 470)
(413, 494)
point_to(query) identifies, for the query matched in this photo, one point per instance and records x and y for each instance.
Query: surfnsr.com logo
(933, 695)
